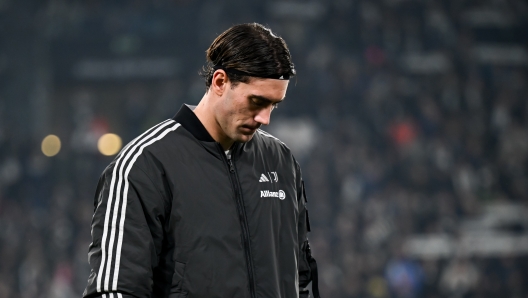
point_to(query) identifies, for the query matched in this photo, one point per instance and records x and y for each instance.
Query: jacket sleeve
(307, 264)
(127, 233)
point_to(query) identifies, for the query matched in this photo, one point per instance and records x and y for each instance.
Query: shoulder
(264, 138)
(156, 134)
(144, 145)
(270, 146)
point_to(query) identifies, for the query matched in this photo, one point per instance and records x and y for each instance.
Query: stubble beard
(242, 138)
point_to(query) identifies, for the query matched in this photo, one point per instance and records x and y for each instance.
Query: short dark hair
(248, 50)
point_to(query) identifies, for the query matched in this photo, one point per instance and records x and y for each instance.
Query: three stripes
(119, 186)
(263, 178)
(111, 295)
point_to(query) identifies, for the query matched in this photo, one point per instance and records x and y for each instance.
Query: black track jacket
(175, 217)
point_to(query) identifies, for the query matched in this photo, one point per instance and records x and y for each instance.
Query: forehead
(269, 88)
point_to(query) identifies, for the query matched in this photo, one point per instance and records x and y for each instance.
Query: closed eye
(259, 102)
(262, 102)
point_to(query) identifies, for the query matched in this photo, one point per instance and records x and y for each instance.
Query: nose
(263, 116)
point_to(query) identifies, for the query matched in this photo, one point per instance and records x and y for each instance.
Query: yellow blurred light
(109, 144)
(377, 287)
(51, 145)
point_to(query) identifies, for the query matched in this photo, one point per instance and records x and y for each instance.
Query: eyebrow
(265, 98)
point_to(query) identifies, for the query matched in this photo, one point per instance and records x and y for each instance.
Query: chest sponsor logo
(273, 194)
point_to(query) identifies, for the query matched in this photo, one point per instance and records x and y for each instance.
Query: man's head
(247, 73)
(248, 50)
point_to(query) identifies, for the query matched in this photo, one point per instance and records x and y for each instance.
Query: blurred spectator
(460, 277)
(404, 278)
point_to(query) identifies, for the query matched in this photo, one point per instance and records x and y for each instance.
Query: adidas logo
(263, 178)
(273, 178)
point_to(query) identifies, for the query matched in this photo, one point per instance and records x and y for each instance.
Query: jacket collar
(189, 121)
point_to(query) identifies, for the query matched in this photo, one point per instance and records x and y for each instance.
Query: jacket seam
(150, 179)
(162, 197)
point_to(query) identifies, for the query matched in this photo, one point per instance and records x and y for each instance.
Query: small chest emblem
(271, 177)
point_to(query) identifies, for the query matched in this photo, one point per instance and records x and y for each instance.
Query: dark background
(409, 119)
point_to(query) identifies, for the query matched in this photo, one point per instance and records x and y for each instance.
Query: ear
(220, 82)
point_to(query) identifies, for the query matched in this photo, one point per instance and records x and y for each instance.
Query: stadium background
(409, 118)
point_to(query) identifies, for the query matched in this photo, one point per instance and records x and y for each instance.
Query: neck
(205, 113)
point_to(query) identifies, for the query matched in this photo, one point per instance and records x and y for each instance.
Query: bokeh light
(51, 145)
(109, 144)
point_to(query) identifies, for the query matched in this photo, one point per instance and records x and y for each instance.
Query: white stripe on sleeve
(120, 160)
(125, 198)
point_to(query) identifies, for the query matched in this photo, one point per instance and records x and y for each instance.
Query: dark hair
(248, 50)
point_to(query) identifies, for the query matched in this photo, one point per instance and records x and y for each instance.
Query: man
(206, 204)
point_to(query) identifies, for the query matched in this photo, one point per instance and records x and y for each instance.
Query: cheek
(227, 114)
(235, 111)
(239, 113)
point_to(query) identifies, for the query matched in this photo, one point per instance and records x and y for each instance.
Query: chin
(244, 138)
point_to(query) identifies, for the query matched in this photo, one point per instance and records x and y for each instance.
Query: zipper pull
(231, 166)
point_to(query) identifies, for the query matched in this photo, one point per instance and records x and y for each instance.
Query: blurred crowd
(413, 113)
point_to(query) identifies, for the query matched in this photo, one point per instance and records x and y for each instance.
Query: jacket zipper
(243, 221)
